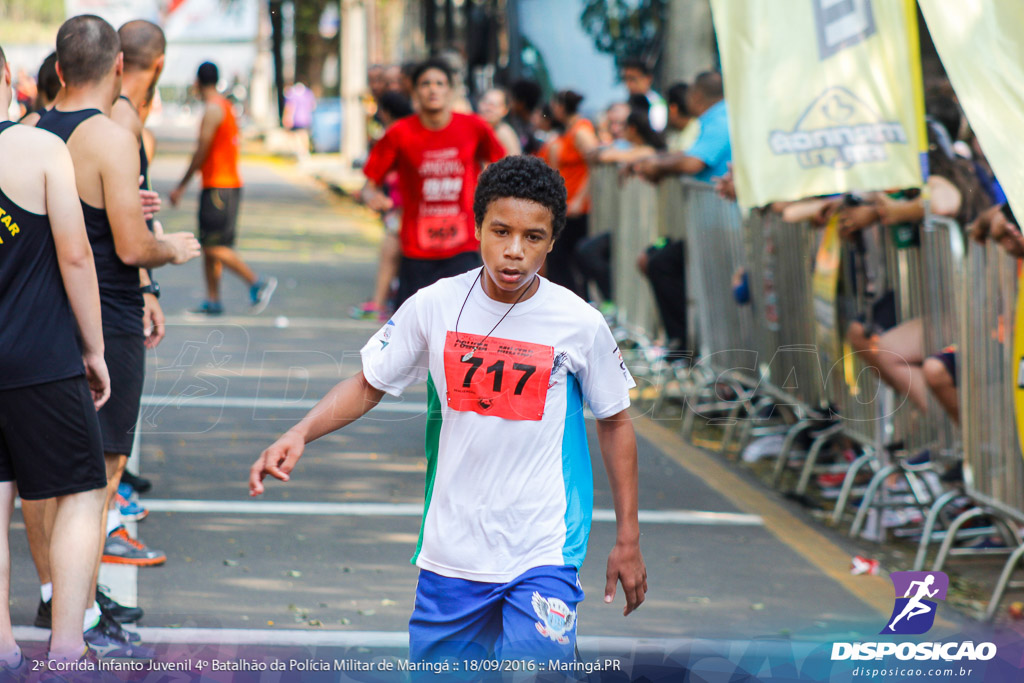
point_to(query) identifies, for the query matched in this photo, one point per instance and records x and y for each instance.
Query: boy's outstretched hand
(278, 461)
(626, 566)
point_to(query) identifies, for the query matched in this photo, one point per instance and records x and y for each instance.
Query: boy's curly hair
(522, 177)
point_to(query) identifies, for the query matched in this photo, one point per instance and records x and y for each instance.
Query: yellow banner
(825, 286)
(982, 49)
(824, 97)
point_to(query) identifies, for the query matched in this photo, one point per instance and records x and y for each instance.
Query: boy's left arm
(625, 563)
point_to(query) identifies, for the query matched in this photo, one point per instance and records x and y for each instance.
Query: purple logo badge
(916, 593)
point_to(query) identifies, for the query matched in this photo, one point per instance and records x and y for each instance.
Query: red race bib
(498, 377)
(441, 233)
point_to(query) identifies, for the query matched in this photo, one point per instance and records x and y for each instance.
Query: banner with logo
(824, 97)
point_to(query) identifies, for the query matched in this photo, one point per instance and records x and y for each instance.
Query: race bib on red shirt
(499, 377)
(441, 233)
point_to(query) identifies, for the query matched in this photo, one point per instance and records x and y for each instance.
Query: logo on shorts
(913, 614)
(555, 618)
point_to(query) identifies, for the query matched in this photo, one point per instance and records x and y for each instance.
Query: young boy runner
(509, 359)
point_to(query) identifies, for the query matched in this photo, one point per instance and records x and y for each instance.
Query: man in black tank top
(52, 372)
(106, 160)
(143, 44)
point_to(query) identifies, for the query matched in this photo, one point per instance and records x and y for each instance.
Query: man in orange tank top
(216, 157)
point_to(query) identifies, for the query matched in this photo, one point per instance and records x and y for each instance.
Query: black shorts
(50, 439)
(218, 214)
(414, 274)
(948, 359)
(126, 361)
(883, 314)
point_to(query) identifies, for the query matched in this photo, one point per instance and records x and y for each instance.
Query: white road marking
(412, 407)
(197, 320)
(266, 507)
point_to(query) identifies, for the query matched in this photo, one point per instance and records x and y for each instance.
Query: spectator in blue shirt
(710, 155)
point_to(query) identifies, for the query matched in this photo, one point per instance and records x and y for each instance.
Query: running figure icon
(914, 606)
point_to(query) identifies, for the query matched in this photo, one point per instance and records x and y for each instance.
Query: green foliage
(32, 11)
(626, 28)
(310, 47)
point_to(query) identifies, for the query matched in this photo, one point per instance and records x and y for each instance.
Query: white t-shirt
(503, 494)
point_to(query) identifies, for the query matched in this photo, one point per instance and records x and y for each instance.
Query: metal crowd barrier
(924, 275)
(604, 198)
(942, 245)
(779, 262)
(637, 228)
(993, 466)
(766, 352)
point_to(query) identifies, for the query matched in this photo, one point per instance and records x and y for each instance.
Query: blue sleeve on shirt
(712, 145)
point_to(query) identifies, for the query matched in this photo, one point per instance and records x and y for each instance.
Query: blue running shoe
(210, 308)
(127, 505)
(260, 293)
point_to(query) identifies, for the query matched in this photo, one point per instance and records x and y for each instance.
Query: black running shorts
(126, 362)
(50, 439)
(218, 214)
(414, 274)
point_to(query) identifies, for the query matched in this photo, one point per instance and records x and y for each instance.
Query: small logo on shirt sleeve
(622, 363)
(384, 335)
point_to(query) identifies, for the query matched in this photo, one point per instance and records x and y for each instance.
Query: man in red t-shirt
(438, 154)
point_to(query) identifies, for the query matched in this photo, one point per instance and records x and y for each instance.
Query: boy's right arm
(345, 403)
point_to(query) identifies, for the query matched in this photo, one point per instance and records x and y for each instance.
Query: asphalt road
(319, 567)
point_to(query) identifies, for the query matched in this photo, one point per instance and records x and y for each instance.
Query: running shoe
(120, 548)
(210, 308)
(44, 614)
(368, 311)
(138, 484)
(116, 611)
(111, 641)
(260, 293)
(84, 669)
(129, 508)
(15, 672)
(122, 614)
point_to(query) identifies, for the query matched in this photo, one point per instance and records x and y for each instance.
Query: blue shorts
(532, 617)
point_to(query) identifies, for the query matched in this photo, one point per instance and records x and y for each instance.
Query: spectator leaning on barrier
(548, 132)
(711, 153)
(611, 130)
(524, 98)
(637, 76)
(573, 148)
(899, 354)
(683, 128)
(493, 108)
(664, 262)
(594, 254)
